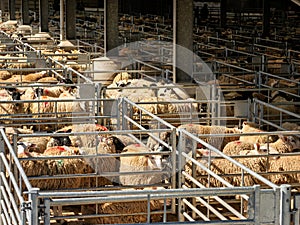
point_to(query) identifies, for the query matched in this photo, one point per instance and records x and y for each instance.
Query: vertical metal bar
(285, 214)
(257, 204)
(180, 177)
(174, 166)
(47, 211)
(148, 209)
(2, 170)
(33, 197)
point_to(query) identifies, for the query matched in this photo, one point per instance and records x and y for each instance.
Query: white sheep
(121, 76)
(235, 147)
(284, 144)
(222, 166)
(218, 142)
(65, 108)
(285, 165)
(139, 163)
(249, 127)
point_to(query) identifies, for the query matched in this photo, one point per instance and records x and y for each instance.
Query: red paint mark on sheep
(101, 128)
(199, 145)
(137, 145)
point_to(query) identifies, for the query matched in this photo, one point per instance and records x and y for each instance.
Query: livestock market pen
(189, 191)
(182, 200)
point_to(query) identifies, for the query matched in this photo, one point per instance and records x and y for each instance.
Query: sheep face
(23, 147)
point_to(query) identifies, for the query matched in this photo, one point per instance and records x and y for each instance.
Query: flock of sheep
(73, 160)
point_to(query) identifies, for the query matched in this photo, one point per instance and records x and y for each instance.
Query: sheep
(65, 108)
(34, 76)
(59, 141)
(101, 164)
(4, 75)
(154, 145)
(222, 166)
(283, 164)
(235, 147)
(218, 142)
(79, 140)
(121, 76)
(40, 143)
(290, 126)
(284, 144)
(281, 103)
(137, 164)
(50, 167)
(55, 91)
(7, 110)
(125, 211)
(248, 127)
(51, 80)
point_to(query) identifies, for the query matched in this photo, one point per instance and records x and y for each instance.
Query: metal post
(285, 204)
(47, 211)
(174, 166)
(257, 204)
(33, 198)
(62, 20)
(2, 169)
(180, 177)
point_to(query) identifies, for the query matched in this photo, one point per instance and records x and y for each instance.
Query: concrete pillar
(2, 6)
(111, 40)
(266, 18)
(12, 9)
(223, 16)
(183, 40)
(62, 20)
(25, 12)
(71, 19)
(44, 14)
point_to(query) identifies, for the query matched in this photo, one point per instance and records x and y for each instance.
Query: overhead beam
(297, 2)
